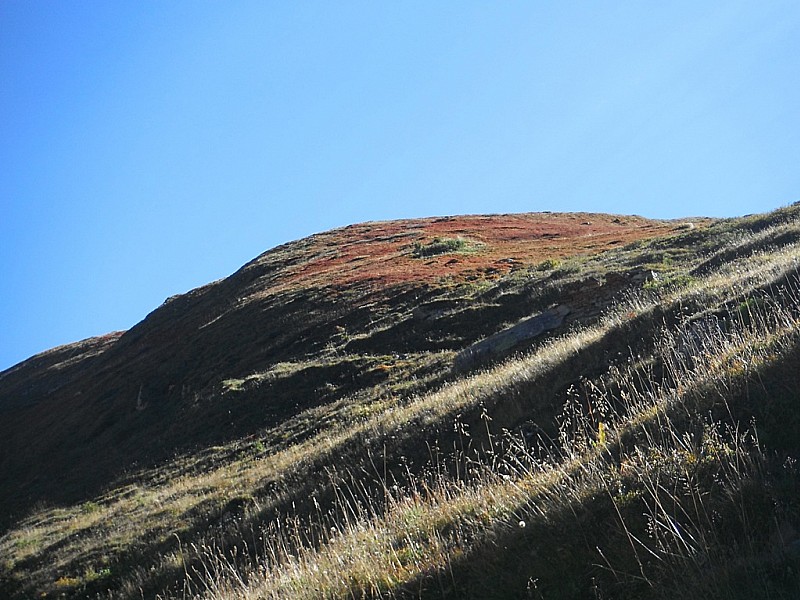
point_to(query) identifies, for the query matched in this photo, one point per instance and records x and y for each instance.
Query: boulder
(503, 342)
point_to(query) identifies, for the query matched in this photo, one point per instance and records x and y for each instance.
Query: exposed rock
(501, 343)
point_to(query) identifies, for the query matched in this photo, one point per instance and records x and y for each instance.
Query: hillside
(504, 406)
(344, 298)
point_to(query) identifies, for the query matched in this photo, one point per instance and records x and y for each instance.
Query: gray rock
(501, 343)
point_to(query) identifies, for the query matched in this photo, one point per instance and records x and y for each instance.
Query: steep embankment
(361, 414)
(77, 416)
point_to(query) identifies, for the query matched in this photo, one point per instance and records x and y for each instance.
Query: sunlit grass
(625, 440)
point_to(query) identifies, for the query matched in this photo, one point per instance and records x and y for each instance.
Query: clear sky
(149, 147)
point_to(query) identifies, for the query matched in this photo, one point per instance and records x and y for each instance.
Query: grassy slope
(618, 458)
(320, 319)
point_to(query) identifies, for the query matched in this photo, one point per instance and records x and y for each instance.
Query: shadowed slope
(75, 417)
(300, 429)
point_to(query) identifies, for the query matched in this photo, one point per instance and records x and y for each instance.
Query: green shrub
(89, 507)
(548, 265)
(672, 281)
(440, 245)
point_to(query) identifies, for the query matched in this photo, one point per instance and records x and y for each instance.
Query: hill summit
(79, 414)
(576, 404)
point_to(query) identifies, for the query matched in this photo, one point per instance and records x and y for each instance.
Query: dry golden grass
(424, 530)
(383, 545)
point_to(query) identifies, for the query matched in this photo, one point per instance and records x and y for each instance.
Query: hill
(538, 405)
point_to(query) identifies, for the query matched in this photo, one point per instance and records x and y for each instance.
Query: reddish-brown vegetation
(382, 253)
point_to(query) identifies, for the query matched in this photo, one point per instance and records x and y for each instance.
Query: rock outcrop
(504, 342)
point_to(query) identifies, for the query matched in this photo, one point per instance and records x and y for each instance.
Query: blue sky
(149, 147)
